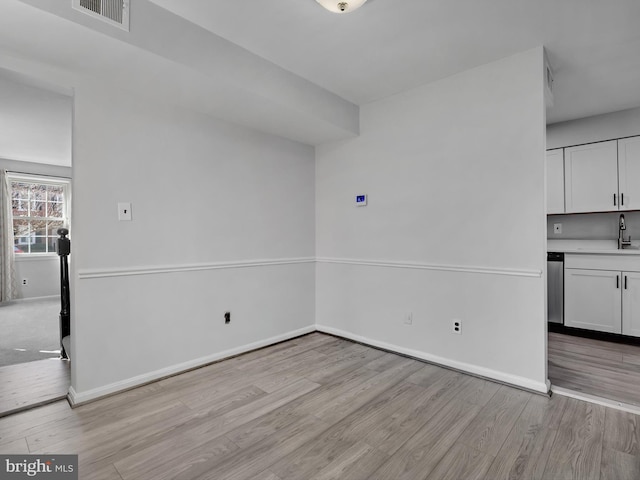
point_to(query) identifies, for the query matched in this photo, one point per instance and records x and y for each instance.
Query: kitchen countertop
(598, 247)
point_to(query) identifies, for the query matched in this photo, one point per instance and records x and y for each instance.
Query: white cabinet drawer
(626, 262)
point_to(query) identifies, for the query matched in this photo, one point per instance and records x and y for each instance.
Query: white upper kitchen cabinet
(555, 181)
(591, 177)
(629, 173)
(592, 300)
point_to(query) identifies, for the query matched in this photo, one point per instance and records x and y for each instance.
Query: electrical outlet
(557, 228)
(227, 317)
(25, 281)
(456, 327)
(408, 318)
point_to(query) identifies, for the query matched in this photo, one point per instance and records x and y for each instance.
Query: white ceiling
(388, 46)
(291, 68)
(169, 59)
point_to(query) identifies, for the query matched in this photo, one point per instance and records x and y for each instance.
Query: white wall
(42, 275)
(35, 123)
(455, 226)
(593, 226)
(207, 197)
(625, 123)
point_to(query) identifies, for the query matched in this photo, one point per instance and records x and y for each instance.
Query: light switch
(124, 212)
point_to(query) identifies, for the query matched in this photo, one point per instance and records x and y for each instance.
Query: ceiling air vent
(114, 12)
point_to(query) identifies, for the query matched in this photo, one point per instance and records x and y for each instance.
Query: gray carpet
(29, 330)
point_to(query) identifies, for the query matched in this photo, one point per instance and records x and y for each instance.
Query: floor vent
(114, 12)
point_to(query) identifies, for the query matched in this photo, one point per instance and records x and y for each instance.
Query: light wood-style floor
(27, 385)
(595, 367)
(318, 407)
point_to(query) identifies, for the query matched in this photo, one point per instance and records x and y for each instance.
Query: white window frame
(65, 183)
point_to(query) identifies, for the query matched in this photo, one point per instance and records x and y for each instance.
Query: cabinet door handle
(617, 281)
(622, 199)
(614, 200)
(625, 282)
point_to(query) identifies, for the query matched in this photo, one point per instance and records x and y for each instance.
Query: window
(39, 206)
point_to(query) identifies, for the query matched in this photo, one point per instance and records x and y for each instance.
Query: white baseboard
(32, 299)
(78, 398)
(515, 380)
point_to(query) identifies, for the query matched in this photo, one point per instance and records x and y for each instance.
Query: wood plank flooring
(27, 385)
(595, 367)
(321, 408)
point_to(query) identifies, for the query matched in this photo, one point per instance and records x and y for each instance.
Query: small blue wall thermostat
(361, 200)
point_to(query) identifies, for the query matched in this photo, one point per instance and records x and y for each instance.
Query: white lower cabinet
(592, 300)
(602, 300)
(631, 304)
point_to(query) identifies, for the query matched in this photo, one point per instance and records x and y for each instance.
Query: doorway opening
(35, 164)
(31, 370)
(597, 367)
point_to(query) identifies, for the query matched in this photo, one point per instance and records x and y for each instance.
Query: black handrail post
(64, 249)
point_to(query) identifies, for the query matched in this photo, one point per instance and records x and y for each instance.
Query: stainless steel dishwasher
(555, 287)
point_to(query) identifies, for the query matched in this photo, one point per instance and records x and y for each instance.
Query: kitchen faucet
(621, 228)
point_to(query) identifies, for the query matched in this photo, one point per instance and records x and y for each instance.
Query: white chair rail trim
(428, 266)
(193, 267)
(159, 269)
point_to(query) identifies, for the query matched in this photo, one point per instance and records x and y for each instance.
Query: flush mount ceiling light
(337, 6)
